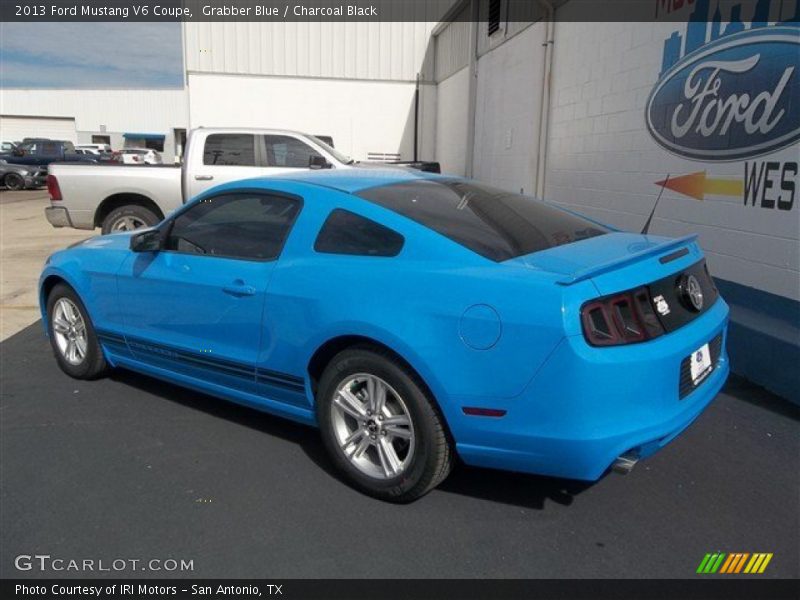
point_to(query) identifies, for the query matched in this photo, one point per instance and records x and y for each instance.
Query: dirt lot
(26, 240)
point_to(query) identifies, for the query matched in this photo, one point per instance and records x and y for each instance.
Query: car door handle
(239, 290)
(204, 177)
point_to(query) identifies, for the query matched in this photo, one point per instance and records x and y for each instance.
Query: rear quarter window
(495, 224)
(345, 232)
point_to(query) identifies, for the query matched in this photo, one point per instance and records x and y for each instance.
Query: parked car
(95, 148)
(123, 197)
(21, 177)
(7, 147)
(43, 152)
(412, 317)
(139, 156)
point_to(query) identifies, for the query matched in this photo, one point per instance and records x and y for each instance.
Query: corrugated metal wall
(452, 46)
(351, 50)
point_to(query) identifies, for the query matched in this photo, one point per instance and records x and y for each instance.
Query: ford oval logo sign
(734, 98)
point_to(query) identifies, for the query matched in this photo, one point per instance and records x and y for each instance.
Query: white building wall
(362, 116)
(603, 161)
(507, 111)
(452, 123)
(104, 112)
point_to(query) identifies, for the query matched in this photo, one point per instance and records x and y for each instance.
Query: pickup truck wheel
(128, 218)
(14, 182)
(380, 427)
(72, 335)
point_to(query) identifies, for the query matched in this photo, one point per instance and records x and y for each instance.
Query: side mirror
(315, 161)
(146, 241)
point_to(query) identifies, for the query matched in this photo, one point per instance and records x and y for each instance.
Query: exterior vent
(494, 16)
(383, 156)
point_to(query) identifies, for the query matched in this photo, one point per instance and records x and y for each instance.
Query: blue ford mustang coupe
(411, 317)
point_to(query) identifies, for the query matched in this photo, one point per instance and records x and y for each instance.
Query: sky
(90, 55)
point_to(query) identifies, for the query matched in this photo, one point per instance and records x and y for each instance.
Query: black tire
(14, 182)
(93, 363)
(433, 457)
(131, 212)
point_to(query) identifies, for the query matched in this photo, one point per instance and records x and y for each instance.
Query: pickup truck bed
(95, 191)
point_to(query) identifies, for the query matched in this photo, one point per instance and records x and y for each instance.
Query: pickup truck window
(286, 151)
(230, 149)
(245, 226)
(50, 148)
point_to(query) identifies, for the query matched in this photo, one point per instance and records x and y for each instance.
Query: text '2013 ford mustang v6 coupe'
(412, 317)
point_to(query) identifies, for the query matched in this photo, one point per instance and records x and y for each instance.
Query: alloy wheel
(69, 330)
(373, 426)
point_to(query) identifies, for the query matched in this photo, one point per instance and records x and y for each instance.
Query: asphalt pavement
(128, 468)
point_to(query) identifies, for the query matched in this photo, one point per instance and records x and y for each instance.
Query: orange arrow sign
(697, 185)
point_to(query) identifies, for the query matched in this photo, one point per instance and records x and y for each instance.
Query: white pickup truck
(123, 197)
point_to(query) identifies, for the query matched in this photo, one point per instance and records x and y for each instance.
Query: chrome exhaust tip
(624, 464)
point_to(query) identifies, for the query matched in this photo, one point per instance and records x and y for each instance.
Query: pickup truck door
(232, 156)
(195, 307)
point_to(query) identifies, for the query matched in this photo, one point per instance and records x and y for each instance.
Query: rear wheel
(72, 335)
(14, 182)
(380, 427)
(128, 218)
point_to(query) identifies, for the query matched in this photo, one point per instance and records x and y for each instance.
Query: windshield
(496, 224)
(342, 158)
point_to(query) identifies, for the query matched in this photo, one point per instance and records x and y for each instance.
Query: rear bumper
(587, 406)
(57, 216)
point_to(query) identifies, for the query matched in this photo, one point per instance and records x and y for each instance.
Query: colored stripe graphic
(720, 562)
(765, 563)
(741, 562)
(703, 563)
(758, 563)
(711, 562)
(732, 560)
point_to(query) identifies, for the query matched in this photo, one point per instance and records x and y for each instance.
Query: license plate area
(698, 366)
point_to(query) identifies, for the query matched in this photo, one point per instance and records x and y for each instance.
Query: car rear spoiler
(623, 261)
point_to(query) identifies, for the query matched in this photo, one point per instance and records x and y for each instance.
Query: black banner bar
(712, 588)
(346, 10)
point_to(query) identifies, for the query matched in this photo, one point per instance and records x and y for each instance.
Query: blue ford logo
(731, 99)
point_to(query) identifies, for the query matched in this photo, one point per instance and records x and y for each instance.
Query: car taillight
(625, 318)
(52, 188)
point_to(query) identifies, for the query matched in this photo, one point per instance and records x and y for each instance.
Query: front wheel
(72, 335)
(380, 427)
(128, 218)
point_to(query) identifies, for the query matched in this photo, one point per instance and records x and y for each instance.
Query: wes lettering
(770, 184)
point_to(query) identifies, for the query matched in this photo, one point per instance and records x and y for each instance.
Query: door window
(244, 226)
(286, 151)
(230, 149)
